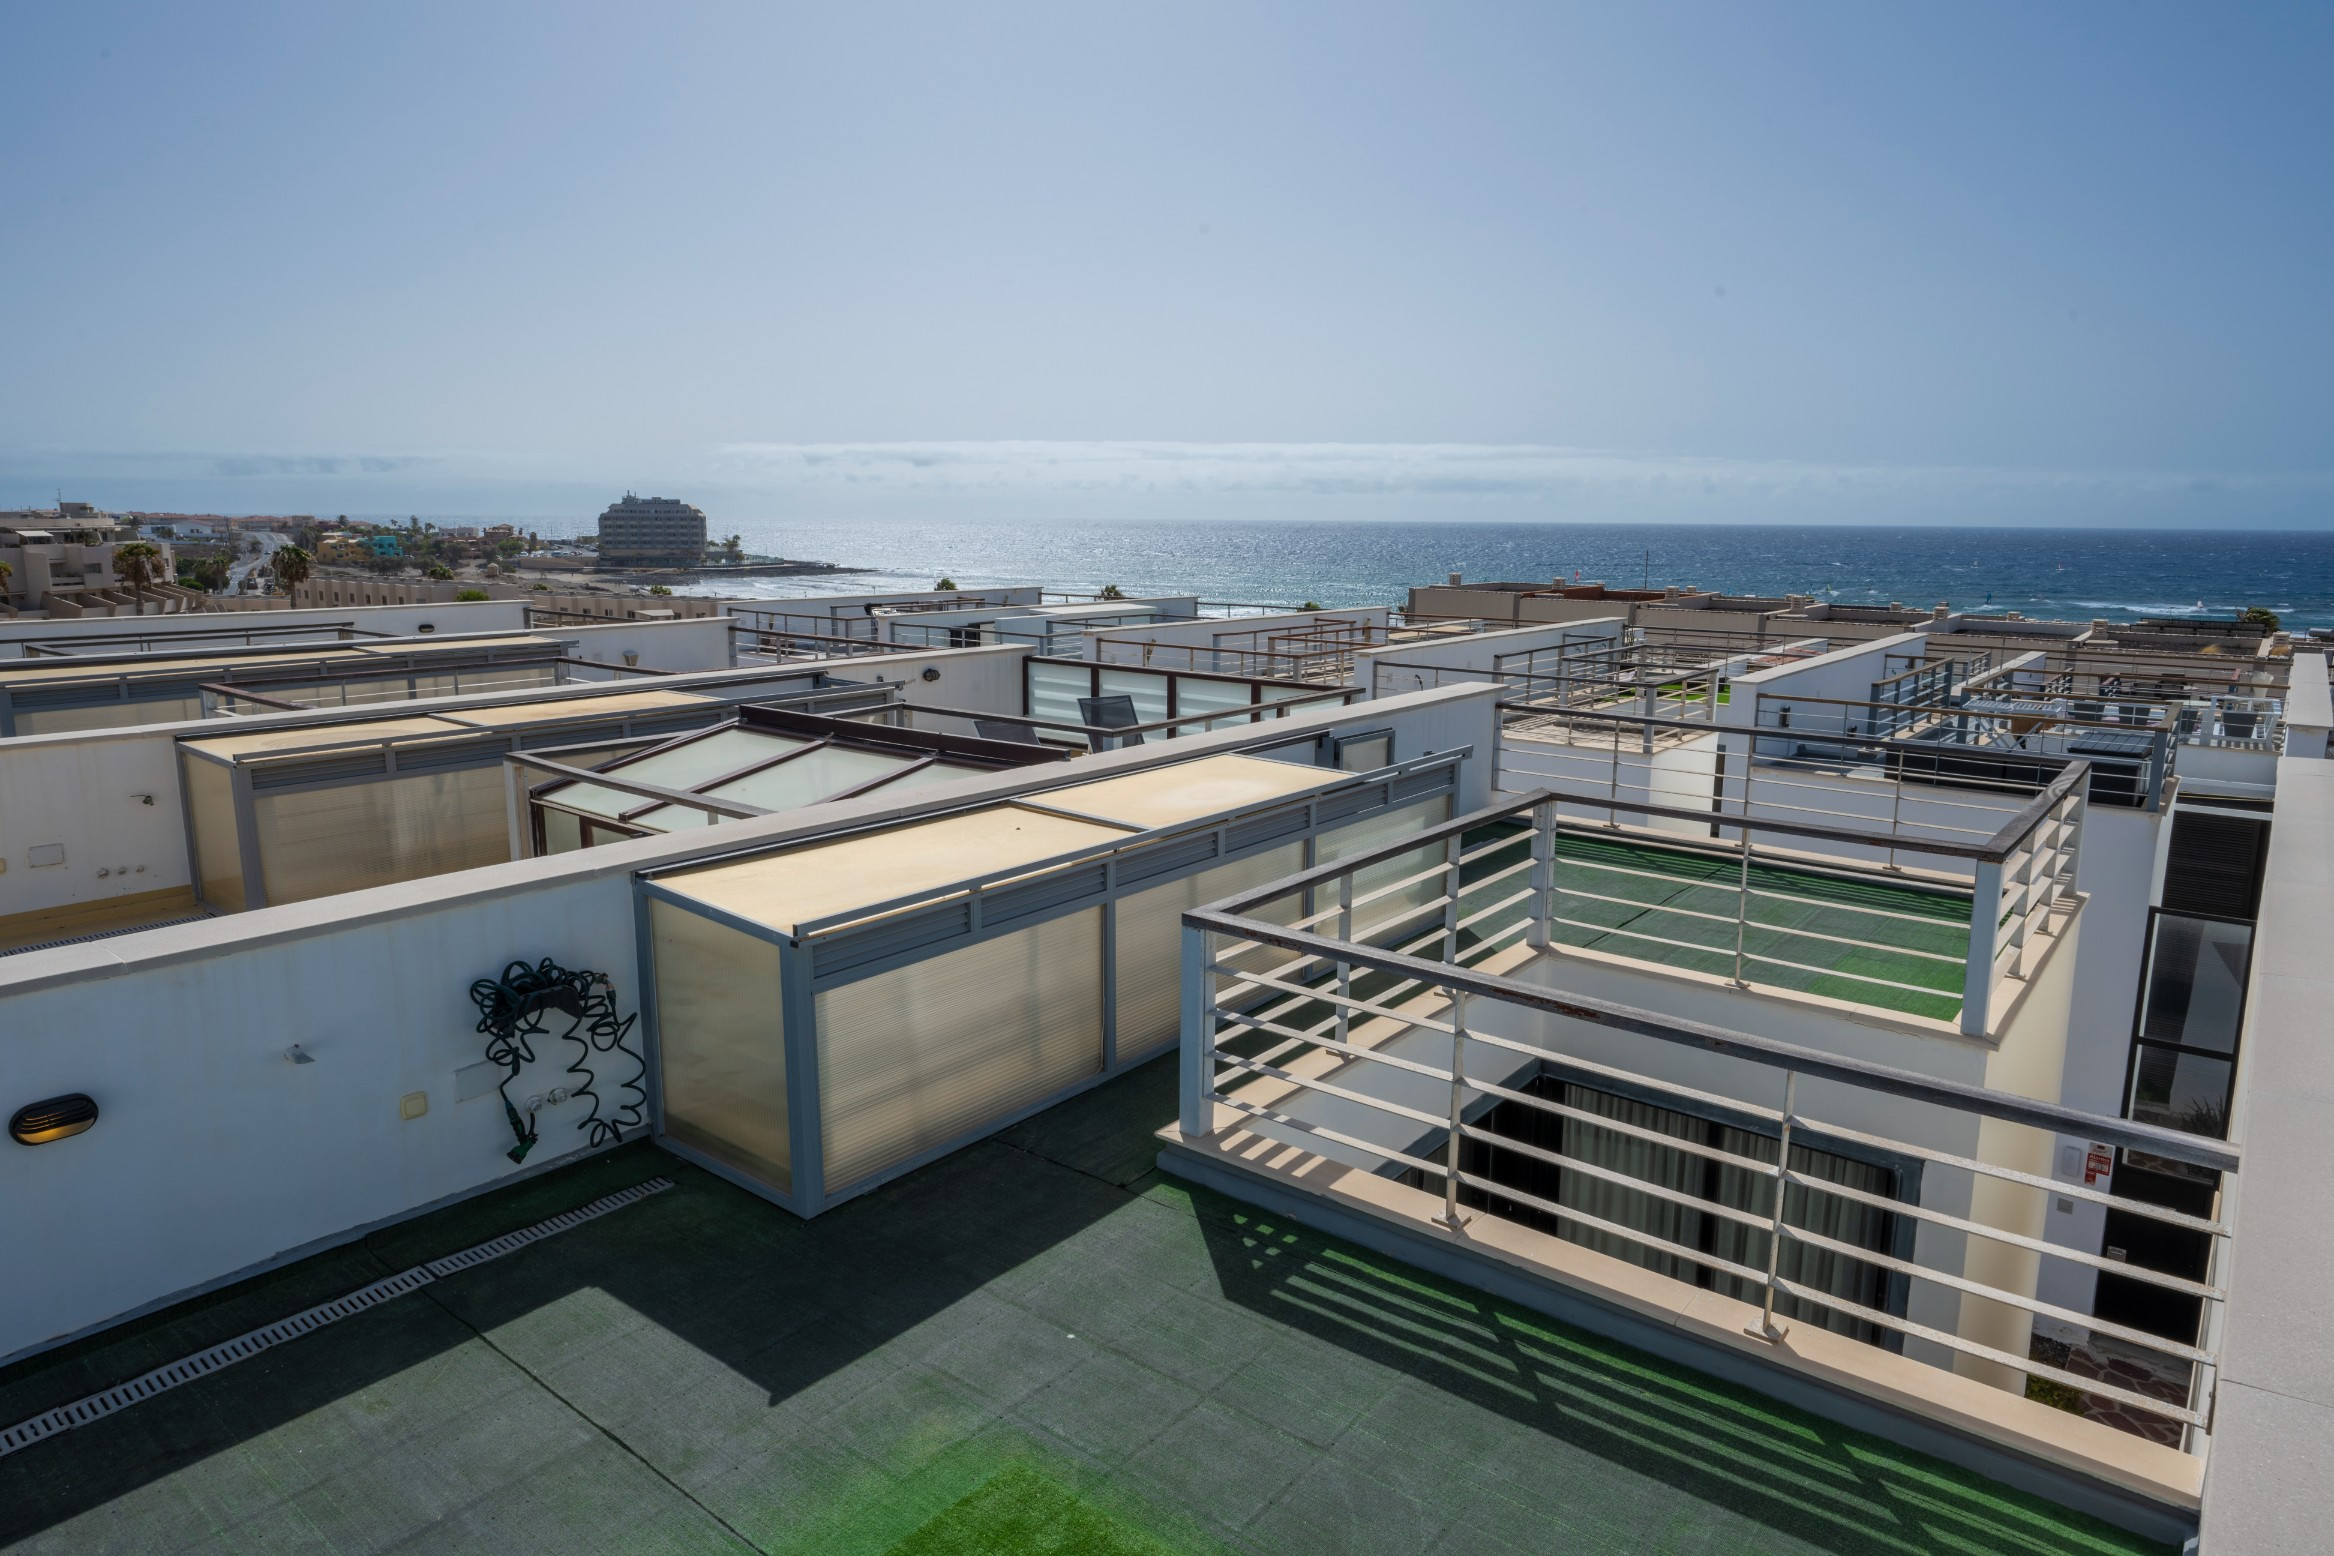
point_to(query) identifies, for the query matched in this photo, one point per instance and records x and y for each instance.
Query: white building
(63, 551)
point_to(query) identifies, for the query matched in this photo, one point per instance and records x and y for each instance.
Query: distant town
(76, 559)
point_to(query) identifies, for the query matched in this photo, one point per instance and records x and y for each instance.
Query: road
(244, 566)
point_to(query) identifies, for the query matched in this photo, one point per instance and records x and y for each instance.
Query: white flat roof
(793, 886)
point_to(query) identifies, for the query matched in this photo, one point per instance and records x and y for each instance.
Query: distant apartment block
(652, 532)
(62, 551)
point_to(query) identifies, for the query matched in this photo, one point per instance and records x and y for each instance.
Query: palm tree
(7, 571)
(138, 564)
(291, 567)
(734, 548)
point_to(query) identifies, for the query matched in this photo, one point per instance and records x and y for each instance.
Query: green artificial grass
(1021, 1513)
(1658, 907)
(1036, 1344)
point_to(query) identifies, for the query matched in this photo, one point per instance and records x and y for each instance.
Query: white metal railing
(1350, 1007)
(2234, 723)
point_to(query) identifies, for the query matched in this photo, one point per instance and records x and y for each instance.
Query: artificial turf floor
(1663, 889)
(1037, 1339)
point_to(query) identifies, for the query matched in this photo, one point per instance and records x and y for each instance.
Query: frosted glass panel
(1147, 688)
(210, 795)
(701, 761)
(316, 842)
(915, 1057)
(596, 799)
(720, 1038)
(1054, 691)
(938, 772)
(1149, 945)
(1384, 918)
(562, 833)
(809, 779)
(1193, 695)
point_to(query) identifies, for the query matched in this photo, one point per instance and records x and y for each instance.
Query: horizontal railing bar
(1331, 995)
(1749, 956)
(1997, 1234)
(1350, 1050)
(1968, 1287)
(2163, 1213)
(1440, 831)
(1769, 1052)
(1583, 1218)
(1749, 1164)
(1353, 1142)
(1630, 1077)
(1330, 1089)
(2026, 1365)
(1778, 929)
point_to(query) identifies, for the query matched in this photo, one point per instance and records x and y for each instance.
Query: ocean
(2083, 574)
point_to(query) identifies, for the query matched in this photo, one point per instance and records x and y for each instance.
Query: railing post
(1344, 968)
(1542, 903)
(1199, 1033)
(1895, 815)
(1453, 847)
(1613, 787)
(2071, 847)
(1450, 1216)
(1767, 1329)
(1985, 919)
(1742, 908)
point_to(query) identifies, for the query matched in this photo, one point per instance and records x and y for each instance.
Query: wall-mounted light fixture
(931, 672)
(52, 1118)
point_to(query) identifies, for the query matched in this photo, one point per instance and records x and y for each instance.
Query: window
(2191, 1006)
(1703, 1178)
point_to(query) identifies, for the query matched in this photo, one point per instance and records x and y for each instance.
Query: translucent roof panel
(593, 799)
(808, 779)
(796, 885)
(706, 758)
(1186, 791)
(937, 772)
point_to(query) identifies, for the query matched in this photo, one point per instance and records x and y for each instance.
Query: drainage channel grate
(245, 1346)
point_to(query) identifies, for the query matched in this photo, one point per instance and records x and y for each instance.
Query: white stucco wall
(215, 1155)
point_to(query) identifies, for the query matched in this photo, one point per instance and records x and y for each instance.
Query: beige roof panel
(290, 653)
(542, 710)
(797, 885)
(317, 737)
(68, 670)
(1184, 791)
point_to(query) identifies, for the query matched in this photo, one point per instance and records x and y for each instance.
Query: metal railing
(1105, 737)
(1351, 1010)
(1985, 733)
(2233, 724)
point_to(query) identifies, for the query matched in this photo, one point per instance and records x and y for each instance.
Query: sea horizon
(2070, 573)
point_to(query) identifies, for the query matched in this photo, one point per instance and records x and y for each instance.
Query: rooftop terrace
(1039, 1343)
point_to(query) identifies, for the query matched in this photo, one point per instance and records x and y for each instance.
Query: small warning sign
(2098, 1165)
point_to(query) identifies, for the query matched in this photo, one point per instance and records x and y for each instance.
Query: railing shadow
(1786, 1470)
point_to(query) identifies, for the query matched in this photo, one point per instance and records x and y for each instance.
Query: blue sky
(1958, 264)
